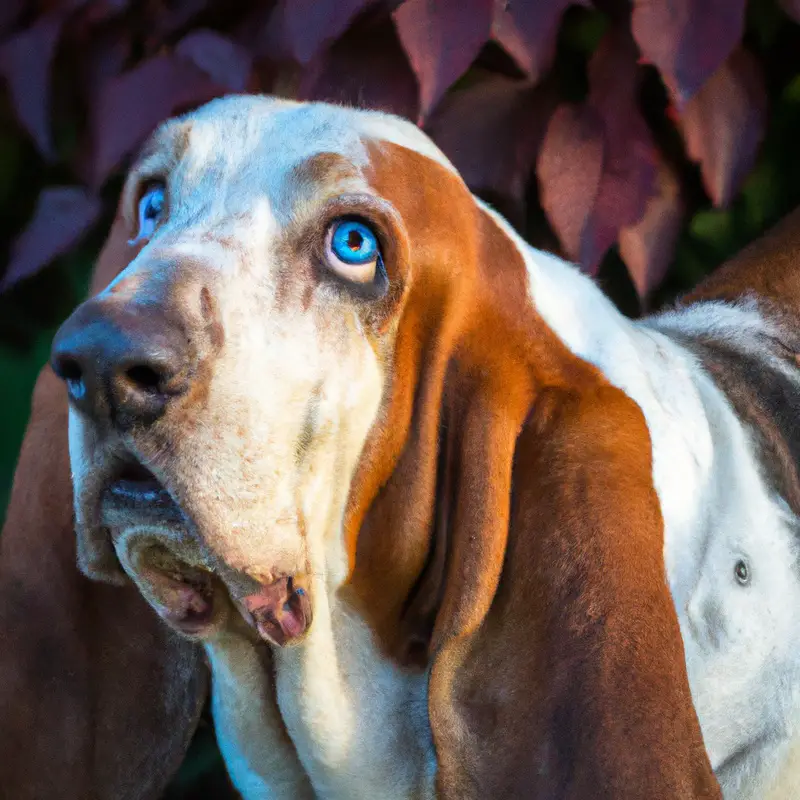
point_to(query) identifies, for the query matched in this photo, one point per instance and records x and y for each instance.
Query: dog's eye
(352, 250)
(742, 572)
(151, 207)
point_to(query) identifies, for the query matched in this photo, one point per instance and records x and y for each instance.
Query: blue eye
(151, 207)
(354, 243)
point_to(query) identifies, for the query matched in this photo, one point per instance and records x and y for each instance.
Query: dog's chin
(132, 529)
(139, 532)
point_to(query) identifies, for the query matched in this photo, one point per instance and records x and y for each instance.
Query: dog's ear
(572, 684)
(98, 698)
(507, 533)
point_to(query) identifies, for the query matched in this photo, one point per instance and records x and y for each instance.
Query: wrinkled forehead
(236, 147)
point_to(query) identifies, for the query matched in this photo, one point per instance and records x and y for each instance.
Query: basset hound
(424, 501)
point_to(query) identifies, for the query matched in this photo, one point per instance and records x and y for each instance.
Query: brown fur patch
(769, 269)
(446, 570)
(98, 698)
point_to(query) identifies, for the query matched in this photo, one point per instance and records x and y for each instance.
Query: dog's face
(223, 386)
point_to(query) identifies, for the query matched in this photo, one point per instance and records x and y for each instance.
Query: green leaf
(714, 228)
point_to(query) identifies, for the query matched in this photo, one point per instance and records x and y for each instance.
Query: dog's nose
(124, 363)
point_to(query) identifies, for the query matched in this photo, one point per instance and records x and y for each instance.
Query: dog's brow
(323, 168)
(163, 150)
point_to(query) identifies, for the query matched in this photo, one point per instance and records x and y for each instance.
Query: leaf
(227, 63)
(724, 124)
(648, 246)
(492, 131)
(528, 30)
(131, 105)
(442, 38)
(688, 40)
(25, 62)
(301, 30)
(366, 68)
(308, 25)
(597, 164)
(570, 168)
(715, 229)
(62, 215)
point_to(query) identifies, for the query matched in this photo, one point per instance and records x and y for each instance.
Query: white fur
(261, 761)
(742, 643)
(358, 724)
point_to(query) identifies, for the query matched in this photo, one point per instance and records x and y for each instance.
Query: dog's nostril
(69, 370)
(145, 378)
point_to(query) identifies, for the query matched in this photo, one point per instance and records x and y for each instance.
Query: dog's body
(448, 469)
(718, 382)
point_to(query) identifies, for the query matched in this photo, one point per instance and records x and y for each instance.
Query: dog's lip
(280, 610)
(133, 488)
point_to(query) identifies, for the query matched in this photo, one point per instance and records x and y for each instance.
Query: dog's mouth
(176, 577)
(135, 491)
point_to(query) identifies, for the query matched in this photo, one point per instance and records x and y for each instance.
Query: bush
(646, 140)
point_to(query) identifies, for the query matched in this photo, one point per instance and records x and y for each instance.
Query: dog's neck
(718, 385)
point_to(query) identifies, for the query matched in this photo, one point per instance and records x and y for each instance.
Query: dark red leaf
(648, 246)
(442, 38)
(570, 168)
(724, 123)
(301, 30)
(131, 105)
(792, 8)
(308, 25)
(597, 166)
(629, 158)
(365, 68)
(62, 215)
(224, 61)
(25, 62)
(687, 39)
(528, 29)
(492, 131)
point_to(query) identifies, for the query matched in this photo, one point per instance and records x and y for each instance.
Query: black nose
(125, 363)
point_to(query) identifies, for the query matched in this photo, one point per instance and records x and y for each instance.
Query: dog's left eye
(352, 250)
(151, 207)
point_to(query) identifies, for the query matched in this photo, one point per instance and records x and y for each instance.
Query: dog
(425, 499)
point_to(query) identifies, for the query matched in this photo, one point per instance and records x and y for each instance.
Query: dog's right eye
(352, 250)
(151, 208)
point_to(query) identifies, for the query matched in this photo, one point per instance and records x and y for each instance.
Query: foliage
(645, 139)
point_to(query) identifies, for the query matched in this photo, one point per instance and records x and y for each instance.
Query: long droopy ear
(508, 535)
(573, 683)
(98, 699)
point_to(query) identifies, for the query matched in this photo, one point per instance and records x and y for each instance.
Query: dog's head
(234, 390)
